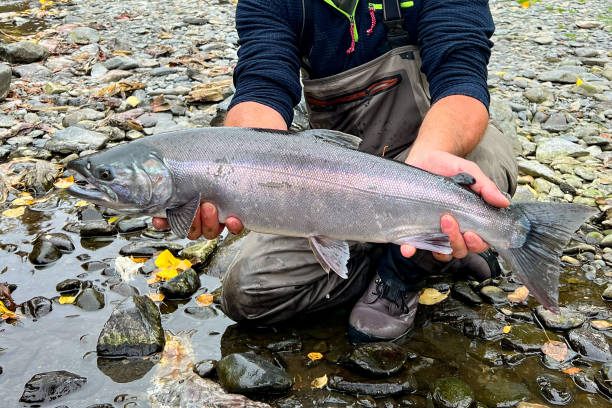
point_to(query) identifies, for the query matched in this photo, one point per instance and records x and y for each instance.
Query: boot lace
(394, 295)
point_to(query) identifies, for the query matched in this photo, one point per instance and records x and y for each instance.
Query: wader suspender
(394, 21)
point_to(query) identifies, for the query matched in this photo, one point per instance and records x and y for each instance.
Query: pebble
(554, 389)
(204, 368)
(43, 253)
(37, 307)
(59, 240)
(129, 225)
(452, 393)
(381, 359)
(149, 248)
(181, 286)
(462, 291)
(590, 343)
(68, 287)
(504, 393)
(251, 373)
(527, 338)
(551, 149)
(49, 386)
(75, 140)
(98, 228)
(376, 390)
(90, 299)
(23, 52)
(84, 35)
(494, 295)
(565, 320)
(5, 80)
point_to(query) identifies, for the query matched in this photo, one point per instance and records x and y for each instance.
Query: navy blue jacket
(453, 36)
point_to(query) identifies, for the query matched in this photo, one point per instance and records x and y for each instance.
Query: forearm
(253, 114)
(454, 124)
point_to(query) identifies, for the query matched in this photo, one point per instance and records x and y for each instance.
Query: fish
(316, 184)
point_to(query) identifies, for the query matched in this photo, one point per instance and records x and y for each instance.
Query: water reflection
(124, 370)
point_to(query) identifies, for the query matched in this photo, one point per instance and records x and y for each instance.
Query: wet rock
(37, 307)
(69, 286)
(557, 75)
(32, 71)
(23, 52)
(527, 338)
(59, 240)
(200, 250)
(124, 289)
(84, 35)
(501, 394)
(486, 329)
(202, 313)
(536, 169)
(5, 80)
(565, 320)
(50, 386)
(247, 373)
(294, 344)
(606, 242)
(90, 213)
(463, 292)
(121, 63)
(378, 359)
(75, 139)
(453, 312)
(133, 330)
(557, 147)
(591, 344)
(452, 393)
(204, 368)
(44, 253)
(99, 228)
(585, 382)
(129, 225)
(537, 95)
(181, 286)
(554, 389)
(90, 299)
(376, 390)
(101, 406)
(73, 117)
(149, 248)
(494, 295)
(607, 294)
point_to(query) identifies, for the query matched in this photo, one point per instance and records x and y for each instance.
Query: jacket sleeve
(268, 58)
(455, 47)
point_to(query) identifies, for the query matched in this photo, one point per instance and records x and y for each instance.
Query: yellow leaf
(81, 203)
(525, 4)
(14, 212)
(183, 265)
(25, 194)
(579, 82)
(22, 201)
(507, 329)
(572, 370)
(112, 219)
(156, 297)
(601, 324)
(3, 309)
(319, 382)
(205, 300)
(133, 101)
(519, 295)
(167, 274)
(315, 356)
(431, 296)
(64, 182)
(139, 260)
(9, 315)
(66, 299)
(500, 73)
(166, 260)
(556, 350)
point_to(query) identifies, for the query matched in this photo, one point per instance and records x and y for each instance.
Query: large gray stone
(23, 52)
(556, 123)
(84, 35)
(133, 330)
(537, 95)
(535, 169)
(5, 80)
(75, 140)
(251, 373)
(45, 387)
(558, 75)
(550, 149)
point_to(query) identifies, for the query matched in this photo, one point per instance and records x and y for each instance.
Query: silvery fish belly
(316, 185)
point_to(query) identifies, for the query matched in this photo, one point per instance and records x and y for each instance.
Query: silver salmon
(316, 184)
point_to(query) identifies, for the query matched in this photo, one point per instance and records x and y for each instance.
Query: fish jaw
(91, 191)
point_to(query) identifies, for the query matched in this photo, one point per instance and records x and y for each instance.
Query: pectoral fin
(331, 254)
(181, 218)
(436, 242)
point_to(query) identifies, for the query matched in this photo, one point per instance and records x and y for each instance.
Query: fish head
(126, 178)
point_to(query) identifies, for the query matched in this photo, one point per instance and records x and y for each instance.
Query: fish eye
(105, 174)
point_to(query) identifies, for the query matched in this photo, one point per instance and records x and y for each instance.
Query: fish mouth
(84, 186)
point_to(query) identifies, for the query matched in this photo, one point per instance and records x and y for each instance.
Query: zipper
(353, 26)
(371, 9)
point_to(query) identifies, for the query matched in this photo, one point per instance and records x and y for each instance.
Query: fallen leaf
(139, 260)
(23, 201)
(167, 274)
(165, 260)
(156, 297)
(525, 4)
(205, 299)
(81, 203)
(519, 295)
(315, 356)
(66, 299)
(572, 370)
(507, 329)
(132, 101)
(112, 219)
(601, 324)
(556, 350)
(319, 382)
(579, 82)
(64, 182)
(431, 296)
(14, 212)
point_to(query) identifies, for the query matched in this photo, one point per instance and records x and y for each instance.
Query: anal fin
(436, 242)
(181, 218)
(331, 254)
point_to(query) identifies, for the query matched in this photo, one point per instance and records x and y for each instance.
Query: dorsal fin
(335, 137)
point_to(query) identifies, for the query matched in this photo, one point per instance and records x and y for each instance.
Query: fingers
(234, 225)
(451, 228)
(196, 228)
(407, 250)
(474, 242)
(209, 218)
(485, 187)
(160, 223)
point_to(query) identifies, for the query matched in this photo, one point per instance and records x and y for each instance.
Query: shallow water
(15, 20)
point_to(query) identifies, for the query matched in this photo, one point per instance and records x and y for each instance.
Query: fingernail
(446, 222)
(208, 209)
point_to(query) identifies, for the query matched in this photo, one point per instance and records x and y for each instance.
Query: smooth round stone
(61, 241)
(527, 338)
(378, 359)
(591, 344)
(126, 226)
(463, 292)
(181, 286)
(565, 320)
(98, 228)
(585, 382)
(69, 286)
(37, 307)
(376, 390)
(124, 289)
(49, 386)
(486, 329)
(501, 394)
(148, 248)
(204, 368)
(90, 299)
(494, 295)
(251, 373)
(201, 312)
(554, 389)
(452, 393)
(44, 253)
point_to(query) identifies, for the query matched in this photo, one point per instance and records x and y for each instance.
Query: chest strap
(397, 36)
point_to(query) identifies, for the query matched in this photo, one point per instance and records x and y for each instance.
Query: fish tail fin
(537, 262)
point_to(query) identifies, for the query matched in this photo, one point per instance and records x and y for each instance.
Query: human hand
(206, 223)
(447, 164)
